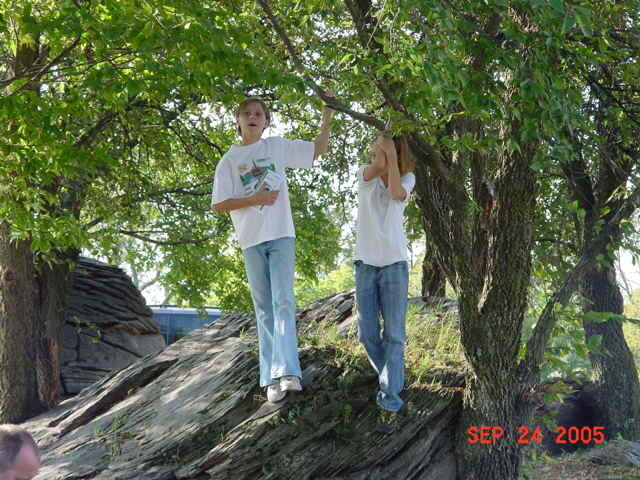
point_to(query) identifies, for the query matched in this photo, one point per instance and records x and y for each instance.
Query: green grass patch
(433, 345)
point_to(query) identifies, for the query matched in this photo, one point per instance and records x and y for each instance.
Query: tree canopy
(522, 115)
(114, 130)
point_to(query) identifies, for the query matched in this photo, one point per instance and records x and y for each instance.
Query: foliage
(338, 280)
(591, 167)
(115, 115)
(566, 355)
(632, 330)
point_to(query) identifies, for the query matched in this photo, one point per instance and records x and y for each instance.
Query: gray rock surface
(195, 411)
(109, 325)
(617, 452)
(338, 309)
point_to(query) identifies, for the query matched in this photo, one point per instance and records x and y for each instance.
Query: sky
(628, 274)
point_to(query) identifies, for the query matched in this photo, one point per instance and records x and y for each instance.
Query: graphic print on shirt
(252, 174)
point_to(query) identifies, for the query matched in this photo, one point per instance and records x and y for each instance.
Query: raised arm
(378, 163)
(396, 190)
(322, 140)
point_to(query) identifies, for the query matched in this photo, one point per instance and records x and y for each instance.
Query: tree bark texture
(433, 278)
(493, 301)
(20, 331)
(615, 375)
(53, 282)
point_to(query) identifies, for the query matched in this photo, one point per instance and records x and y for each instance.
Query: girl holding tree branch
(382, 274)
(250, 183)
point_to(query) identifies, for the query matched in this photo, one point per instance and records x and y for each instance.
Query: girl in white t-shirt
(382, 274)
(250, 183)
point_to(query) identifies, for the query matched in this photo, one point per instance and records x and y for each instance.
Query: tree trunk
(492, 399)
(615, 375)
(433, 278)
(490, 408)
(31, 302)
(53, 281)
(20, 331)
(493, 302)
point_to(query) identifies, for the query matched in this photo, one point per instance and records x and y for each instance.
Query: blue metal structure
(176, 322)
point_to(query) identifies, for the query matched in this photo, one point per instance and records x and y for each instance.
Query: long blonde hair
(406, 162)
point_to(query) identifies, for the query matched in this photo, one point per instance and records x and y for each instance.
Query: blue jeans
(384, 290)
(270, 266)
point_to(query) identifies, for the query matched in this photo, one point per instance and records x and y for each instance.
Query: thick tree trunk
(494, 407)
(20, 331)
(492, 302)
(492, 291)
(615, 375)
(487, 442)
(29, 346)
(32, 309)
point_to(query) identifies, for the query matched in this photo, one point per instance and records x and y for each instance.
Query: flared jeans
(270, 269)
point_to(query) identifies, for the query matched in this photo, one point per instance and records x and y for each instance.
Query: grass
(111, 436)
(433, 344)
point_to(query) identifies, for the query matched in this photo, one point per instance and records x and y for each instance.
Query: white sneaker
(290, 383)
(275, 393)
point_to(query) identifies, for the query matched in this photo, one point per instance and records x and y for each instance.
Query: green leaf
(596, 317)
(569, 22)
(594, 342)
(585, 24)
(558, 5)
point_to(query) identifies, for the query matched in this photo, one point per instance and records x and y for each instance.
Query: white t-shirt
(240, 173)
(380, 239)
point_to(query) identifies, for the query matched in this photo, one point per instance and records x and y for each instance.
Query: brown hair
(406, 162)
(249, 101)
(12, 439)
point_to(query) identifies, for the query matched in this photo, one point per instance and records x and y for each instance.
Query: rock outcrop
(108, 327)
(340, 309)
(195, 411)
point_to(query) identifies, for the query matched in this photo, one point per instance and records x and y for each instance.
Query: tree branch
(578, 180)
(330, 101)
(153, 281)
(593, 81)
(42, 71)
(530, 365)
(363, 21)
(189, 241)
(90, 135)
(571, 245)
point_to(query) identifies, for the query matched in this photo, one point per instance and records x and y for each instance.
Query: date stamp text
(490, 434)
